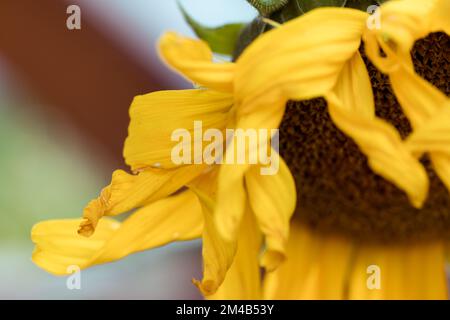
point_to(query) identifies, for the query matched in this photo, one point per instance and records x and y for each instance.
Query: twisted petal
(128, 191)
(231, 200)
(402, 23)
(351, 107)
(231, 191)
(194, 59)
(58, 246)
(156, 116)
(405, 21)
(243, 279)
(218, 254)
(305, 62)
(272, 199)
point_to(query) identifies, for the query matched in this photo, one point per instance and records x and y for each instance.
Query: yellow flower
(236, 210)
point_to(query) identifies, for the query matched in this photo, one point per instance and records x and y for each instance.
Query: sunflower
(359, 207)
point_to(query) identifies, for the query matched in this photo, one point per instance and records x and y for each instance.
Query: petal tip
(86, 228)
(206, 287)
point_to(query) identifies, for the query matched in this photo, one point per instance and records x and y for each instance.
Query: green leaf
(222, 40)
(307, 5)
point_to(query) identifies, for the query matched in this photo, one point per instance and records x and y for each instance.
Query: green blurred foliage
(43, 175)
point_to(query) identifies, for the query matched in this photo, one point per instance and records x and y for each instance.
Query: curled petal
(243, 279)
(272, 199)
(428, 109)
(305, 62)
(58, 246)
(129, 191)
(231, 200)
(194, 59)
(218, 254)
(351, 108)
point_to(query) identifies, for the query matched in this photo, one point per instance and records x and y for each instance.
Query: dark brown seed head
(337, 191)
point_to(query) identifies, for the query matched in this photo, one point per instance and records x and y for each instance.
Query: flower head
(237, 211)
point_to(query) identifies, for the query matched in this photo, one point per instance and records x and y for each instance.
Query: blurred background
(64, 98)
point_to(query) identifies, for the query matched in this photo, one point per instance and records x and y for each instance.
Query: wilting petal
(243, 279)
(305, 62)
(156, 116)
(441, 163)
(403, 22)
(272, 199)
(439, 16)
(231, 200)
(194, 59)
(217, 254)
(128, 191)
(244, 150)
(428, 109)
(412, 271)
(315, 268)
(434, 137)
(58, 245)
(351, 107)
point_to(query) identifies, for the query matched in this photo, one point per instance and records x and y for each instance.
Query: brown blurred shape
(80, 73)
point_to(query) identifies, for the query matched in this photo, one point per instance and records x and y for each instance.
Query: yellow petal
(217, 254)
(411, 271)
(305, 62)
(128, 191)
(315, 268)
(156, 116)
(194, 59)
(243, 279)
(441, 163)
(434, 137)
(231, 200)
(404, 22)
(351, 108)
(243, 153)
(58, 246)
(272, 199)
(439, 17)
